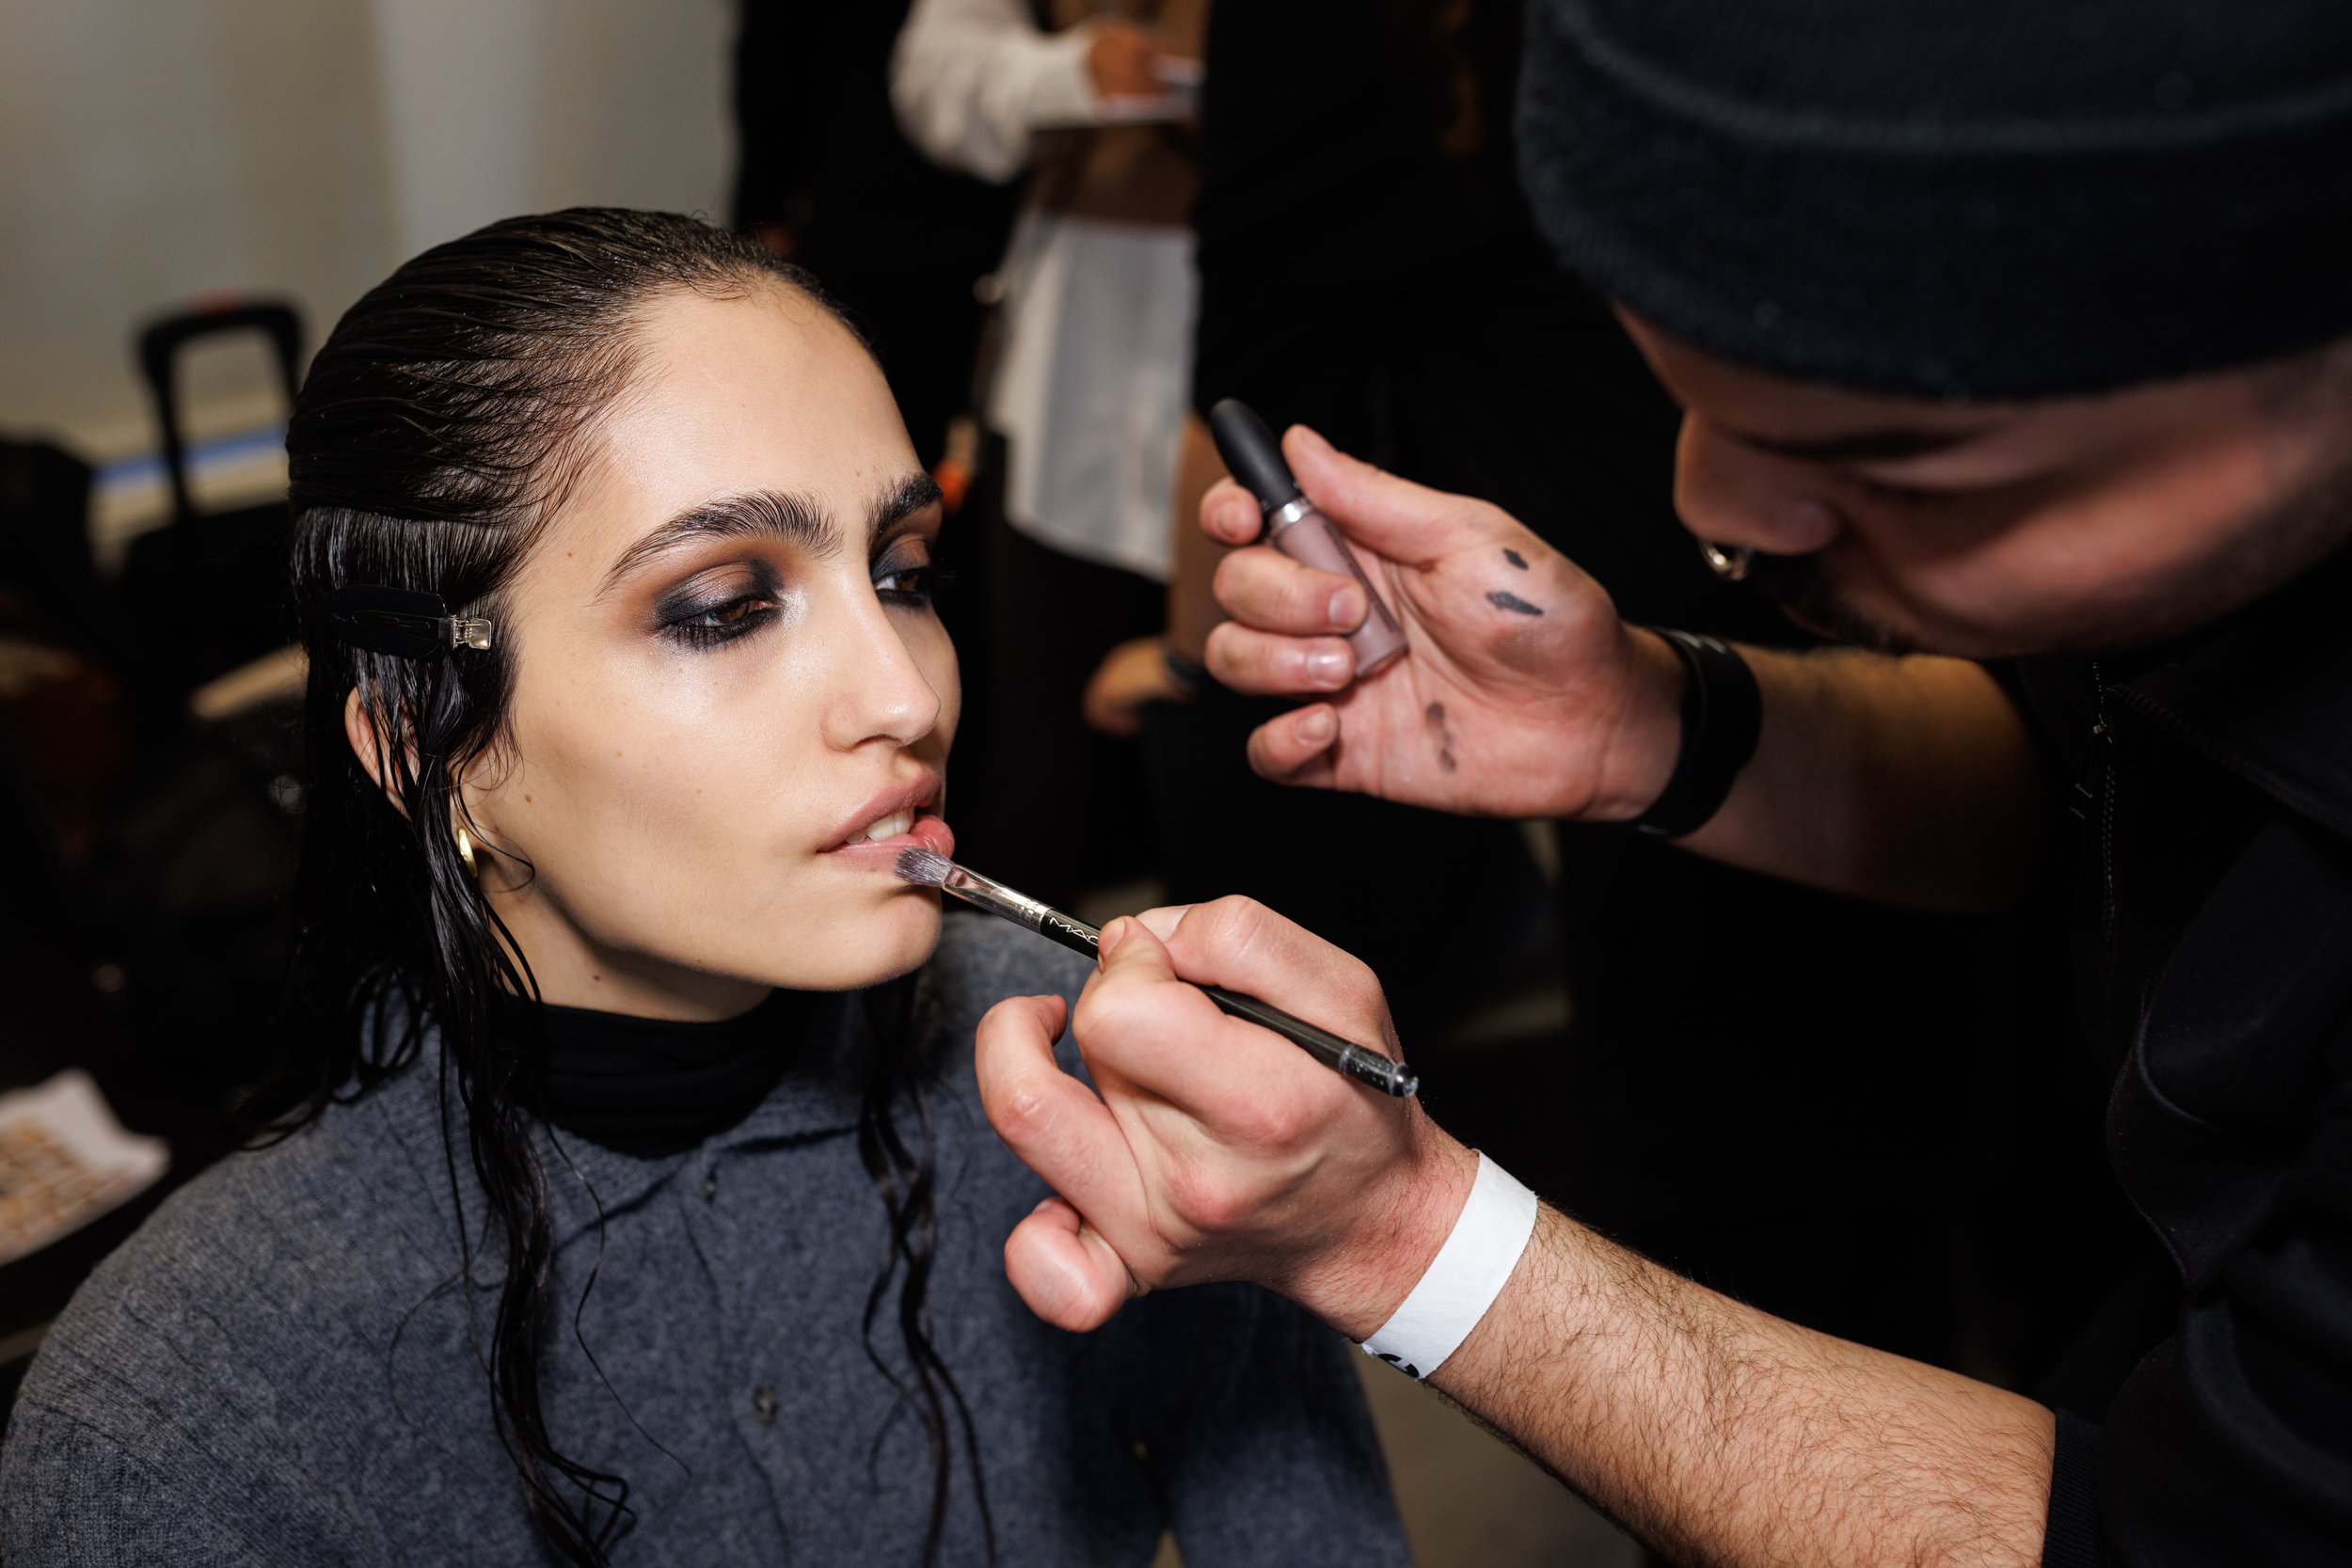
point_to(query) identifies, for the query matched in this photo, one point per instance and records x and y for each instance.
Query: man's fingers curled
(1267, 589)
(1268, 665)
(1051, 1120)
(1064, 1271)
(1295, 748)
(1229, 514)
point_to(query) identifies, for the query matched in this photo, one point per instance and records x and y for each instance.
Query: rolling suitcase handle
(159, 355)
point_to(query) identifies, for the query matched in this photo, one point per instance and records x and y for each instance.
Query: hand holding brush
(926, 868)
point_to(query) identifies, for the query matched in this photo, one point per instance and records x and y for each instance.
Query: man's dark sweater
(277, 1367)
(2214, 938)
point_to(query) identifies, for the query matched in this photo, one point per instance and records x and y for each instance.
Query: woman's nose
(1729, 492)
(879, 691)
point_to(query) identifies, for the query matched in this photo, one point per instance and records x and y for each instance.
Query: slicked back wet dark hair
(439, 428)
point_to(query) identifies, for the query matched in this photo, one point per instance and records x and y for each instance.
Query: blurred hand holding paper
(64, 1160)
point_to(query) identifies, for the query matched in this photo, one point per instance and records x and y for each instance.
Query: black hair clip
(400, 621)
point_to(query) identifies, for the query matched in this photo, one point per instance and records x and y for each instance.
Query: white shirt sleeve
(972, 80)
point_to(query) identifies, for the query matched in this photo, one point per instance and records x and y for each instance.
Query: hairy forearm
(1910, 780)
(1726, 1437)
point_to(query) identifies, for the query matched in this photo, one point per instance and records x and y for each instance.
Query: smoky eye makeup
(903, 572)
(714, 607)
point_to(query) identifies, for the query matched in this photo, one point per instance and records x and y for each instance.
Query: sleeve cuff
(1060, 92)
(2071, 1538)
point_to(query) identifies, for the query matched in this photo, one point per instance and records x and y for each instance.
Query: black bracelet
(1723, 714)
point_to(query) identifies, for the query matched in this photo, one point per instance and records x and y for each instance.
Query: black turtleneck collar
(649, 1086)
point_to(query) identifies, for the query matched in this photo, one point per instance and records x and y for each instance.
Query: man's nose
(1728, 493)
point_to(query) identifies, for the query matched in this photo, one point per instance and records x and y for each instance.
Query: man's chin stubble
(1802, 591)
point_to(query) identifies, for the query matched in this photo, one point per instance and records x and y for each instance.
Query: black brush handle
(1077, 935)
(1341, 1056)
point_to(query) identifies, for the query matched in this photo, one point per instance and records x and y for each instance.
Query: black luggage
(208, 591)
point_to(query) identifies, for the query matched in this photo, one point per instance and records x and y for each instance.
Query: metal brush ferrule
(1368, 1067)
(1021, 909)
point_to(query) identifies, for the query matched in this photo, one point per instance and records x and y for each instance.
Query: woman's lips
(891, 812)
(924, 832)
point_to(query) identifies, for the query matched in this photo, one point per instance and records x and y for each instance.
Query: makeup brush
(926, 868)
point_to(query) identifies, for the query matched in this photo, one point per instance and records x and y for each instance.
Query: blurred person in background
(1087, 385)
(825, 179)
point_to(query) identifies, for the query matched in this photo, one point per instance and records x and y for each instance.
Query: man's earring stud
(1727, 561)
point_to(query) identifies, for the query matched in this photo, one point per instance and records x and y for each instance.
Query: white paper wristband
(1463, 1281)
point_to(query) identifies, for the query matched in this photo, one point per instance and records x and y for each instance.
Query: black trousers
(1054, 808)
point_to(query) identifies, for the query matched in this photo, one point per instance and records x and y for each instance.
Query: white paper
(64, 1160)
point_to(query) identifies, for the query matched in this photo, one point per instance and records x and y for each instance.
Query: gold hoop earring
(465, 853)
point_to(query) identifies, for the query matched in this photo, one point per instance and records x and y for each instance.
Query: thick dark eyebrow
(761, 515)
(911, 494)
(796, 520)
(1869, 446)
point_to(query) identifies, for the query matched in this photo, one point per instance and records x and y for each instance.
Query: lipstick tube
(1294, 527)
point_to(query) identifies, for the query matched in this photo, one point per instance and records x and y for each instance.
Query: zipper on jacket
(2094, 791)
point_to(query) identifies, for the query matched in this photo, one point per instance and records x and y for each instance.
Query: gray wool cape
(277, 1368)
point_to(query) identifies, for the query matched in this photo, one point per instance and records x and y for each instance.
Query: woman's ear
(360, 729)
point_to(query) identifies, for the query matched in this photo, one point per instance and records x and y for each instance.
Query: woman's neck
(573, 970)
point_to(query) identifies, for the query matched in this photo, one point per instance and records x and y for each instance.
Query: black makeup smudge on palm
(1515, 559)
(1433, 716)
(1513, 603)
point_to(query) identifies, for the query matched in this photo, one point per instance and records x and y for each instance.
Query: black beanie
(1955, 197)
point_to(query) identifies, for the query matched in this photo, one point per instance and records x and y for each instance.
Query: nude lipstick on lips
(901, 818)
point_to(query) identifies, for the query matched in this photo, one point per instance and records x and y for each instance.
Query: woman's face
(733, 698)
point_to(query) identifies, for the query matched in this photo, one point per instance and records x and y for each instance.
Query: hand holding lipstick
(1522, 693)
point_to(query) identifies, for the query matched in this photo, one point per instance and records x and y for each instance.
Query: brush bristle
(924, 867)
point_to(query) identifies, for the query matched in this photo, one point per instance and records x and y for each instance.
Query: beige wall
(153, 149)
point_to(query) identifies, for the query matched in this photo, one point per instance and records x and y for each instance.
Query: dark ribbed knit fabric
(2071, 1538)
(1989, 198)
(282, 1366)
(648, 1086)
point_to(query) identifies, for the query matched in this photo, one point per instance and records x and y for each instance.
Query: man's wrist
(1647, 739)
(1375, 1264)
(1723, 719)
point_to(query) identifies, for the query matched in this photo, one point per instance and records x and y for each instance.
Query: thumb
(1133, 953)
(1408, 523)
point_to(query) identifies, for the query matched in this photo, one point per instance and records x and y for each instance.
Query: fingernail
(1347, 607)
(1162, 922)
(1328, 668)
(1318, 728)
